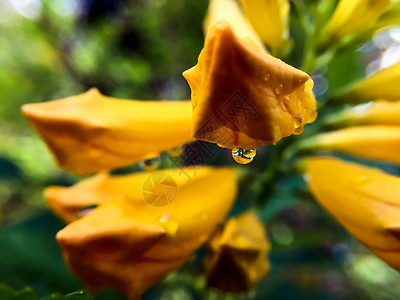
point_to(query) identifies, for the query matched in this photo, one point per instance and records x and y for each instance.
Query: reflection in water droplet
(243, 156)
(299, 130)
(177, 151)
(87, 209)
(150, 164)
(169, 223)
(267, 77)
(298, 124)
(279, 89)
(361, 179)
(298, 120)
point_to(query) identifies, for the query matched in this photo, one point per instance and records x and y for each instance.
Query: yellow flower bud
(363, 200)
(129, 244)
(378, 112)
(270, 19)
(377, 142)
(236, 258)
(381, 85)
(244, 98)
(351, 16)
(91, 132)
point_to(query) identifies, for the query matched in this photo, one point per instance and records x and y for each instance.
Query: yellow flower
(127, 243)
(381, 85)
(364, 200)
(377, 112)
(378, 142)
(241, 96)
(236, 258)
(270, 19)
(229, 12)
(351, 16)
(91, 132)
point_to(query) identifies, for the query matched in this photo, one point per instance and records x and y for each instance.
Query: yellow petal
(236, 258)
(229, 12)
(128, 244)
(91, 132)
(390, 17)
(244, 98)
(378, 112)
(351, 16)
(378, 142)
(381, 85)
(270, 19)
(364, 200)
(68, 202)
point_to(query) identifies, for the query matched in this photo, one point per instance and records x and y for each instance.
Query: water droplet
(243, 156)
(87, 209)
(279, 89)
(298, 120)
(267, 77)
(283, 103)
(361, 179)
(177, 151)
(299, 130)
(150, 164)
(169, 223)
(298, 124)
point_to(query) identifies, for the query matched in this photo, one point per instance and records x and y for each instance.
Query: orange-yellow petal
(236, 258)
(364, 200)
(128, 244)
(91, 132)
(377, 142)
(270, 19)
(242, 97)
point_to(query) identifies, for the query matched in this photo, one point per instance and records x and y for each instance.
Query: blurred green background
(51, 49)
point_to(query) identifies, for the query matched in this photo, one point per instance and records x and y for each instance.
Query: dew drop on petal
(279, 89)
(87, 209)
(169, 224)
(150, 164)
(243, 156)
(267, 77)
(177, 151)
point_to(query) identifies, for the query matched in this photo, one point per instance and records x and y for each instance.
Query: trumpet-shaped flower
(236, 258)
(381, 85)
(243, 97)
(351, 16)
(229, 12)
(270, 19)
(91, 132)
(378, 142)
(364, 200)
(378, 112)
(128, 244)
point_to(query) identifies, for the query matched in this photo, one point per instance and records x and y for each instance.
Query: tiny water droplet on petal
(279, 89)
(150, 164)
(267, 77)
(243, 156)
(170, 225)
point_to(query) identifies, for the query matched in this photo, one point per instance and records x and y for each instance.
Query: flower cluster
(129, 231)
